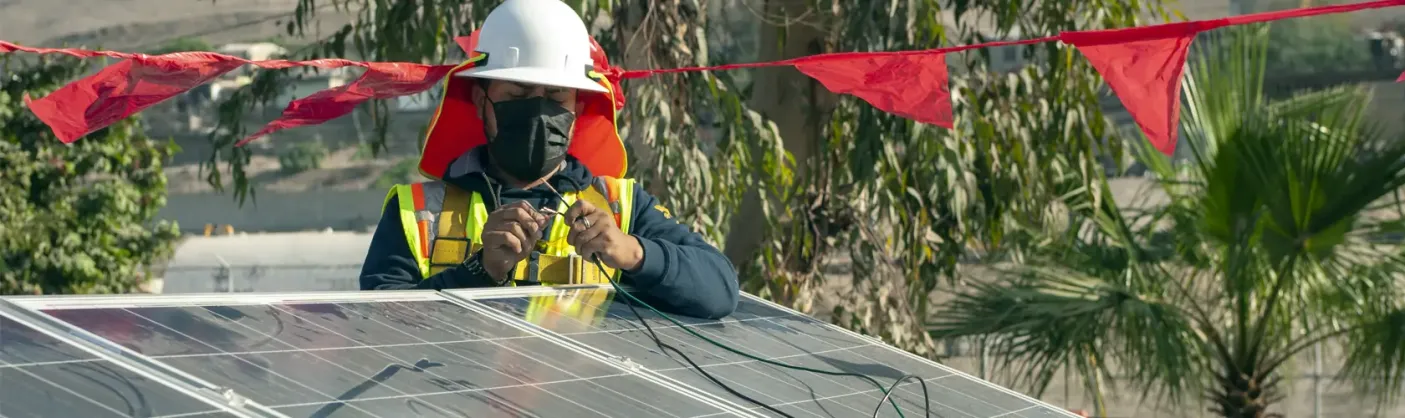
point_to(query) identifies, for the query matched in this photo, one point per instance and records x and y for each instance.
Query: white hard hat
(536, 42)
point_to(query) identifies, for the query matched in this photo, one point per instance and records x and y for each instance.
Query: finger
(526, 217)
(595, 248)
(517, 230)
(514, 209)
(595, 240)
(529, 243)
(528, 237)
(501, 210)
(535, 234)
(502, 240)
(580, 209)
(590, 236)
(540, 218)
(573, 234)
(586, 223)
(587, 251)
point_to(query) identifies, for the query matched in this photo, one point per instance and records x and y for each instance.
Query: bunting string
(1142, 65)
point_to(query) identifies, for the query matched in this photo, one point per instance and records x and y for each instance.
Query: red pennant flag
(382, 80)
(597, 56)
(913, 86)
(467, 43)
(1143, 66)
(123, 89)
(1402, 77)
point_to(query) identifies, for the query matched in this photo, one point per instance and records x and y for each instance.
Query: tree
(1276, 236)
(76, 218)
(909, 202)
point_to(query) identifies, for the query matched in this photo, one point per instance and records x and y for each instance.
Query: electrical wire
(652, 335)
(895, 387)
(887, 393)
(666, 347)
(614, 282)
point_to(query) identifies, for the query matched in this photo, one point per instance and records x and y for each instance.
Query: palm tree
(1276, 236)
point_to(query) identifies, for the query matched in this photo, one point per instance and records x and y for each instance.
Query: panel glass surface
(41, 376)
(594, 318)
(381, 359)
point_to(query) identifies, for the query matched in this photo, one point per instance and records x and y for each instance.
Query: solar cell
(423, 356)
(593, 318)
(43, 376)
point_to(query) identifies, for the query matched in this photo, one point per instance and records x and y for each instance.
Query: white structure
(256, 51)
(304, 261)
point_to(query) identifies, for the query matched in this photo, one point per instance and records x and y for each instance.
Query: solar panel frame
(105, 351)
(45, 302)
(36, 305)
(476, 298)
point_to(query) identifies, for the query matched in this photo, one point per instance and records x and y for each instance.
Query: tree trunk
(796, 103)
(635, 46)
(1242, 396)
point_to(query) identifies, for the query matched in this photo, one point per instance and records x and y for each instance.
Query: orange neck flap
(456, 127)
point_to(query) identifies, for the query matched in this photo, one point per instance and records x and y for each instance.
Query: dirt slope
(143, 24)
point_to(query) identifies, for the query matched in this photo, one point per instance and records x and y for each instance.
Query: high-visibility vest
(443, 226)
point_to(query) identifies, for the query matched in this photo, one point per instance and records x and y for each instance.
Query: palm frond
(1225, 84)
(1049, 318)
(1375, 355)
(1346, 290)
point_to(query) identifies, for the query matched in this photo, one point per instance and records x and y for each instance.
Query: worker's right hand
(509, 236)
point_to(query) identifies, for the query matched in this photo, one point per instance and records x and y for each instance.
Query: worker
(528, 188)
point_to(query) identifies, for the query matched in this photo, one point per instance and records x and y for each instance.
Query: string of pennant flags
(1142, 65)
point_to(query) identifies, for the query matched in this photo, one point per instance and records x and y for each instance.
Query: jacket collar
(472, 167)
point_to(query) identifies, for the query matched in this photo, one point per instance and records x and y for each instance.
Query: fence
(1309, 389)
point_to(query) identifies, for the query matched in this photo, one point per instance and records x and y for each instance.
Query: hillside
(144, 24)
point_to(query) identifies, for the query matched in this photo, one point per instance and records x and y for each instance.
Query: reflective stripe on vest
(443, 225)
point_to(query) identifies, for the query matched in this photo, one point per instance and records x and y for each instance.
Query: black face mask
(533, 135)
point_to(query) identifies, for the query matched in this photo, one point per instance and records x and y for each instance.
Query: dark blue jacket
(681, 272)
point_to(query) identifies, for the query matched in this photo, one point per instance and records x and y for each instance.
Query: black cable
(709, 376)
(654, 336)
(895, 387)
(614, 282)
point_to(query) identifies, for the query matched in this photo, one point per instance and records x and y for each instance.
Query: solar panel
(595, 320)
(42, 376)
(574, 352)
(419, 356)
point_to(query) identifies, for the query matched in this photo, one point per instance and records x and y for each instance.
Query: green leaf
(76, 218)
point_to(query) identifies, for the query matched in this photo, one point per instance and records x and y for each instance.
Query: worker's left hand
(602, 237)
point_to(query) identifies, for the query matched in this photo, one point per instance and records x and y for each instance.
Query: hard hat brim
(538, 76)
